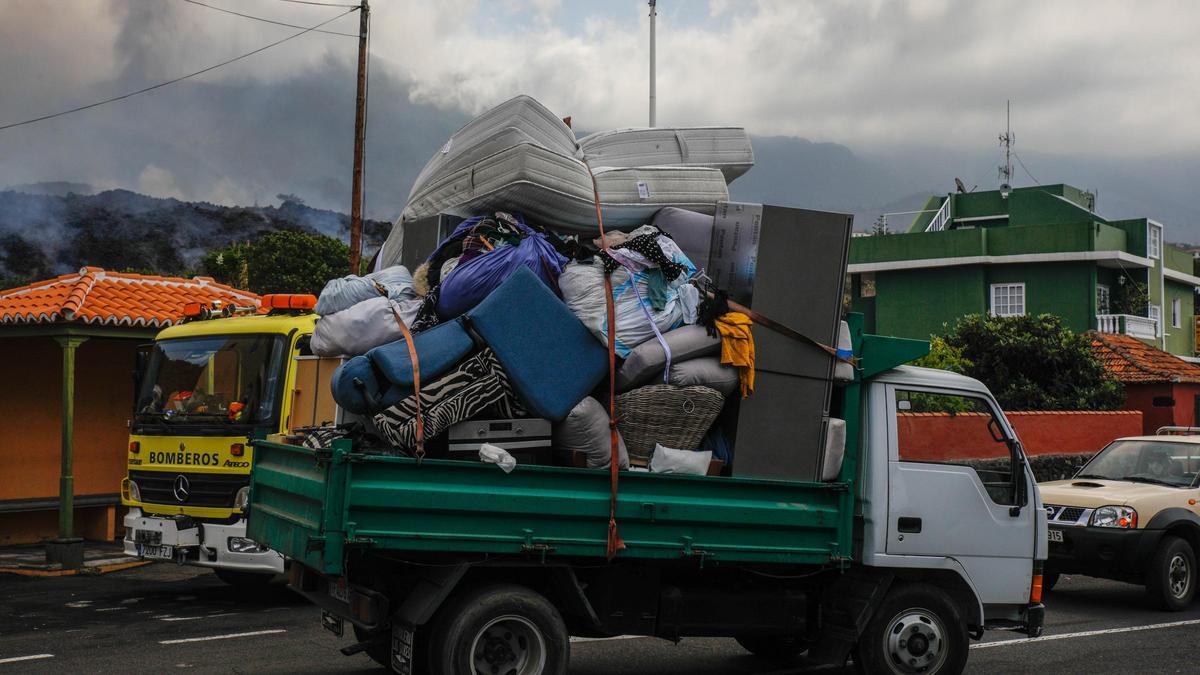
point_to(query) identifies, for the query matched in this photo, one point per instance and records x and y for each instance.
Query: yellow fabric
(737, 347)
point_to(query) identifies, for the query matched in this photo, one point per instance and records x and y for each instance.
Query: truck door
(958, 488)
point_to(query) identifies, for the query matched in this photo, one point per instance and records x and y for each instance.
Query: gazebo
(70, 347)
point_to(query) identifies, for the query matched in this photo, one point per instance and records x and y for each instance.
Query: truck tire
(917, 629)
(501, 628)
(775, 647)
(247, 581)
(1171, 579)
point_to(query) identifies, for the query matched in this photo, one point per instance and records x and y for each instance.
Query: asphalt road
(162, 617)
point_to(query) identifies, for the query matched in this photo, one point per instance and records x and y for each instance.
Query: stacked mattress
(521, 157)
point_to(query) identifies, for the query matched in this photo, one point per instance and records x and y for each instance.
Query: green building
(1028, 250)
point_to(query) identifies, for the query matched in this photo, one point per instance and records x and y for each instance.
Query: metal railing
(1141, 327)
(940, 219)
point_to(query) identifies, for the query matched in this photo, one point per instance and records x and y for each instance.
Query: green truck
(898, 561)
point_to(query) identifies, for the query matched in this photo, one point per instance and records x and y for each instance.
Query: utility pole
(1006, 141)
(360, 139)
(653, 14)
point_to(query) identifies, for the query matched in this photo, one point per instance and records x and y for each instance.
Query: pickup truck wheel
(247, 581)
(916, 630)
(779, 647)
(499, 630)
(1171, 579)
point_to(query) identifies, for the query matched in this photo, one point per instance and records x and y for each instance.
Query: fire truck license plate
(157, 552)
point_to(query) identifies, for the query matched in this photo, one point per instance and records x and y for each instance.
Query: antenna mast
(1006, 141)
(653, 14)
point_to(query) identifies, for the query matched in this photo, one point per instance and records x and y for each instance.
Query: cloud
(157, 181)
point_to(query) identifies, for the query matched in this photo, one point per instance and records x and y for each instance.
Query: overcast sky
(1112, 81)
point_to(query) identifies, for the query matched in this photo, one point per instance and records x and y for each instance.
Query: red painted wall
(1182, 414)
(941, 436)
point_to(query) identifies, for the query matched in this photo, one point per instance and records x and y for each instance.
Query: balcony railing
(940, 219)
(1141, 327)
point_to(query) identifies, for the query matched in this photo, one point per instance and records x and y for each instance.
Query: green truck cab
(457, 567)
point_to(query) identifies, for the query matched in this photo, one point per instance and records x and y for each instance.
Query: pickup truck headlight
(242, 499)
(1114, 516)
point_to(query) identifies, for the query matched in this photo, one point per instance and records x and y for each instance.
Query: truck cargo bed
(314, 505)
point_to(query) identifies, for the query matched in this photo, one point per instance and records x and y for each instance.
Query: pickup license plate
(337, 590)
(151, 537)
(1054, 535)
(402, 649)
(157, 552)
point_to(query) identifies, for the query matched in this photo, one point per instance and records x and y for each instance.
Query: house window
(1102, 299)
(1154, 240)
(1176, 313)
(1156, 314)
(1008, 299)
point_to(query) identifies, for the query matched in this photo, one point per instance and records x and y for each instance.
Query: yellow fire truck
(207, 386)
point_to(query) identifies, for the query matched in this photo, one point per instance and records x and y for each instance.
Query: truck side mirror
(141, 359)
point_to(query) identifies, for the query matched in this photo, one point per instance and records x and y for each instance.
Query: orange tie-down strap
(615, 543)
(416, 372)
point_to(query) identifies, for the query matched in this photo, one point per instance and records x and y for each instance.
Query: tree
(1130, 297)
(228, 265)
(879, 227)
(295, 262)
(1033, 363)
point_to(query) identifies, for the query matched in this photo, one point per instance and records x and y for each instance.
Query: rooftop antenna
(1006, 141)
(653, 14)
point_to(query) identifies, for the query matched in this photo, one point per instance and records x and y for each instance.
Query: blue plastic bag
(473, 280)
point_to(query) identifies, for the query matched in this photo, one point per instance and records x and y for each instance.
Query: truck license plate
(1054, 535)
(402, 649)
(333, 624)
(157, 552)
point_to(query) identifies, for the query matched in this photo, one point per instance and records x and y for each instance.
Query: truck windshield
(1159, 462)
(219, 382)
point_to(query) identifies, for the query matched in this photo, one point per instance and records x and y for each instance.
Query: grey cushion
(586, 430)
(648, 358)
(705, 372)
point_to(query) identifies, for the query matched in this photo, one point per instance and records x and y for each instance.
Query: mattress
(519, 119)
(555, 190)
(724, 148)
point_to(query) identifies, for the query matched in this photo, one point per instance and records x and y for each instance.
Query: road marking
(130, 601)
(1087, 633)
(227, 636)
(79, 603)
(111, 609)
(31, 657)
(193, 618)
(602, 639)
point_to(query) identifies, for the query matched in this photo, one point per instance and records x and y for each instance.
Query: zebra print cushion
(477, 385)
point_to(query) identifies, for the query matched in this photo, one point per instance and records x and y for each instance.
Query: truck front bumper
(203, 544)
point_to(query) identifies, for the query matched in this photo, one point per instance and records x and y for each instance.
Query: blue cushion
(438, 349)
(552, 360)
(358, 388)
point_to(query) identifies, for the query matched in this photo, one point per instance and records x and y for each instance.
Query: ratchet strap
(614, 543)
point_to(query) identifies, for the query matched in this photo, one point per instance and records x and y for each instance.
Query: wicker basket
(676, 417)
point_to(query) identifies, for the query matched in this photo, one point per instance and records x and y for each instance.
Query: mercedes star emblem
(181, 488)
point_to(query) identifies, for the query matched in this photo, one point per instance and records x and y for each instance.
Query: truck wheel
(777, 647)
(247, 581)
(1171, 579)
(1049, 581)
(916, 630)
(504, 629)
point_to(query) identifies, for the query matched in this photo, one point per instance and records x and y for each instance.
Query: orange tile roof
(99, 297)
(1131, 360)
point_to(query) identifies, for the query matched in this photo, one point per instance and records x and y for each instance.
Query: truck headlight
(130, 491)
(244, 545)
(242, 499)
(1114, 516)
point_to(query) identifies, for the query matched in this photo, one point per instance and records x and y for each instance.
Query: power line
(177, 79)
(259, 18)
(1022, 163)
(319, 4)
